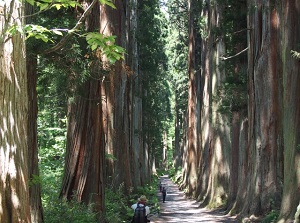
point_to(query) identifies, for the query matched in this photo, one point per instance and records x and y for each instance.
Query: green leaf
(43, 6)
(108, 2)
(12, 29)
(58, 6)
(31, 2)
(94, 46)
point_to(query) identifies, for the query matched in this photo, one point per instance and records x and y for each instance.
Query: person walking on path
(141, 210)
(164, 194)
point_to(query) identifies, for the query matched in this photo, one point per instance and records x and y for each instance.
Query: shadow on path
(178, 209)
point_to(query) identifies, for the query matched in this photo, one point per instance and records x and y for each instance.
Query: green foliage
(116, 203)
(35, 179)
(232, 94)
(174, 174)
(55, 209)
(39, 31)
(106, 45)
(203, 29)
(51, 154)
(35, 31)
(59, 211)
(177, 66)
(271, 217)
(150, 191)
(58, 4)
(108, 2)
(157, 106)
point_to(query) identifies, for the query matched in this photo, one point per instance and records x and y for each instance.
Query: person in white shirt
(142, 201)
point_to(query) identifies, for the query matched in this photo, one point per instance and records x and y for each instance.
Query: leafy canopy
(96, 41)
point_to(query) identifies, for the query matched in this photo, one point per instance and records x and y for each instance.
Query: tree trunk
(115, 93)
(136, 93)
(264, 109)
(83, 174)
(85, 155)
(36, 208)
(14, 169)
(191, 151)
(290, 32)
(178, 125)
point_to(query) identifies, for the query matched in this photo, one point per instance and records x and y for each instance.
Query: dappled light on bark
(14, 185)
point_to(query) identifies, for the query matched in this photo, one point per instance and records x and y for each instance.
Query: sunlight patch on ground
(179, 209)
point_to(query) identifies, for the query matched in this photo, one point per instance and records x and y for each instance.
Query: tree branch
(71, 32)
(230, 57)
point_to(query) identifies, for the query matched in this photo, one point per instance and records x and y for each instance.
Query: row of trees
(117, 111)
(240, 146)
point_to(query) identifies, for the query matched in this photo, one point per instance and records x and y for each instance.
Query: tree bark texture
(36, 208)
(190, 179)
(83, 174)
(264, 108)
(207, 169)
(290, 34)
(116, 103)
(262, 165)
(138, 153)
(85, 153)
(14, 169)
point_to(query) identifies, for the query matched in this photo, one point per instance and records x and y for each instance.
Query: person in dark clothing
(160, 186)
(164, 194)
(141, 202)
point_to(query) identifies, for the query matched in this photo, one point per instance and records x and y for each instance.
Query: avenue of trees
(241, 144)
(97, 97)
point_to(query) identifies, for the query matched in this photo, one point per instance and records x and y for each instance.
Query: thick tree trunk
(290, 32)
(85, 155)
(264, 113)
(83, 174)
(14, 169)
(115, 93)
(190, 179)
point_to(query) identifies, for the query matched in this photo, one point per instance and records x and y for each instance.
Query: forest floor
(179, 209)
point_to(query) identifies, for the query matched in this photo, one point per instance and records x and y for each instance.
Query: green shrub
(271, 217)
(55, 209)
(116, 205)
(59, 211)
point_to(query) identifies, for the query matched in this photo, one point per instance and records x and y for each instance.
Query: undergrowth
(117, 204)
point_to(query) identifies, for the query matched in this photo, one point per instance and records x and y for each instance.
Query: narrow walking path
(178, 209)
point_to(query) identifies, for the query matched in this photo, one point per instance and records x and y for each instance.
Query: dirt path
(178, 209)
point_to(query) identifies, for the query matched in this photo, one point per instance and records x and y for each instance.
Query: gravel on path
(179, 209)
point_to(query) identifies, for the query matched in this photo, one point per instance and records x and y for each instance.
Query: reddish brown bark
(36, 208)
(85, 155)
(35, 187)
(190, 180)
(84, 167)
(264, 119)
(115, 93)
